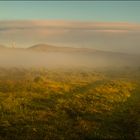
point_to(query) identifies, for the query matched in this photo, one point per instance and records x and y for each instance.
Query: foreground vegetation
(42, 104)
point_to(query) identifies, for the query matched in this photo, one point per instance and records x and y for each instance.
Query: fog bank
(27, 59)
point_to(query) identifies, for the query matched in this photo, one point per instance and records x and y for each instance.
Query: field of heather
(65, 104)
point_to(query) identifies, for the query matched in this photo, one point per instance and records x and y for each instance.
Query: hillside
(51, 48)
(94, 56)
(49, 55)
(42, 104)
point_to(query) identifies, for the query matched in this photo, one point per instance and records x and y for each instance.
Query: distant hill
(51, 48)
(94, 56)
(49, 55)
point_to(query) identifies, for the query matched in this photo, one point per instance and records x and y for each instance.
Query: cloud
(114, 36)
(68, 25)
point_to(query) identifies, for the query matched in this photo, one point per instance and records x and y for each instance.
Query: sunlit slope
(55, 104)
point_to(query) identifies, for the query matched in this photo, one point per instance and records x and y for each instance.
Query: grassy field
(58, 104)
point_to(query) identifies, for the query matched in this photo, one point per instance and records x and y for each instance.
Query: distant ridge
(51, 48)
(83, 56)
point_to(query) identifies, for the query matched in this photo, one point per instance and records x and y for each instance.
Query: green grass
(69, 104)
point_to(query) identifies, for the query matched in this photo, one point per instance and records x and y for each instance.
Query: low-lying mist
(27, 58)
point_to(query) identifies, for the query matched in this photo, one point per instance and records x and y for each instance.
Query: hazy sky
(122, 11)
(104, 25)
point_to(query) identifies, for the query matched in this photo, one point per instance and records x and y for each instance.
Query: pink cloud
(104, 34)
(52, 24)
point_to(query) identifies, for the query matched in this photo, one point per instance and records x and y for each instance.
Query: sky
(104, 25)
(127, 11)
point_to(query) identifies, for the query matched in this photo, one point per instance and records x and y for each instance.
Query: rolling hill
(49, 55)
(51, 48)
(89, 56)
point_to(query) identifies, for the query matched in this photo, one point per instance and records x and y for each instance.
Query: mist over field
(69, 44)
(66, 59)
(69, 70)
(105, 36)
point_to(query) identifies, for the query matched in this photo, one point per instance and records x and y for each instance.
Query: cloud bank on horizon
(112, 36)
